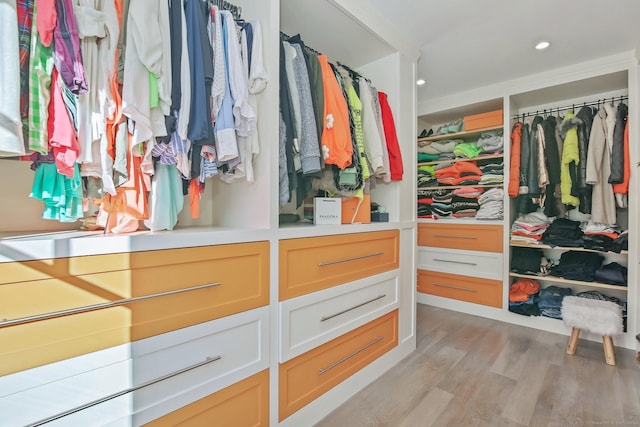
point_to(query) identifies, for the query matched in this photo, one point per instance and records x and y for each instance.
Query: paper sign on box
(327, 211)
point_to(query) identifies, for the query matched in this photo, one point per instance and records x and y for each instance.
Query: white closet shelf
(479, 158)
(452, 187)
(569, 282)
(459, 135)
(561, 248)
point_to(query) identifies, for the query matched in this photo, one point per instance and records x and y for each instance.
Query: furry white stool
(594, 316)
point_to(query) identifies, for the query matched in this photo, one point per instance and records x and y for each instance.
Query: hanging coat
(570, 158)
(603, 207)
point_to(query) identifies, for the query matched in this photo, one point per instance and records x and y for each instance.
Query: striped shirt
(25, 23)
(40, 69)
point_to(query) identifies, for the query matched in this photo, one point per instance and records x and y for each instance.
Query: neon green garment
(356, 114)
(467, 149)
(154, 95)
(570, 153)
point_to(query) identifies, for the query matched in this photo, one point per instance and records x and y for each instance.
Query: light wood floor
(472, 371)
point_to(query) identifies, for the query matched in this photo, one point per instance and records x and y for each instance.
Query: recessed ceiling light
(420, 82)
(543, 45)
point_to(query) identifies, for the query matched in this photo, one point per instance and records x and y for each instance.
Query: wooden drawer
(305, 378)
(166, 290)
(472, 237)
(310, 264)
(487, 265)
(152, 377)
(311, 320)
(463, 288)
(244, 404)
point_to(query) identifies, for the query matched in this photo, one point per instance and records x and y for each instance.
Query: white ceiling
(466, 44)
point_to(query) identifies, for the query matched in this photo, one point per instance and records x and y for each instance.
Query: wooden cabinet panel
(239, 275)
(464, 288)
(311, 264)
(243, 404)
(303, 379)
(472, 237)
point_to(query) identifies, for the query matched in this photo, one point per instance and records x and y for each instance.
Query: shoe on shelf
(444, 129)
(455, 126)
(423, 134)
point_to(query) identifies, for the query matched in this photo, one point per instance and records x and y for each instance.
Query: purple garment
(39, 159)
(67, 56)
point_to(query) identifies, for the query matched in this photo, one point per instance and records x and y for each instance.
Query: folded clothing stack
(550, 301)
(577, 265)
(563, 232)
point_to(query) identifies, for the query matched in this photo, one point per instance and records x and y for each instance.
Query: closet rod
(236, 11)
(286, 37)
(571, 107)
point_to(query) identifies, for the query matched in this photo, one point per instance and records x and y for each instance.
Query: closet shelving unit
(461, 259)
(467, 136)
(577, 84)
(367, 273)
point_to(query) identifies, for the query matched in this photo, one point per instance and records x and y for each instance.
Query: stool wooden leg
(609, 354)
(573, 341)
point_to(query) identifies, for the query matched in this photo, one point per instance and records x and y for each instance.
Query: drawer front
(311, 320)
(244, 404)
(463, 288)
(311, 264)
(161, 298)
(472, 237)
(150, 377)
(305, 378)
(487, 265)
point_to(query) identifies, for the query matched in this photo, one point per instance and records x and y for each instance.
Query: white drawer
(310, 320)
(240, 340)
(488, 265)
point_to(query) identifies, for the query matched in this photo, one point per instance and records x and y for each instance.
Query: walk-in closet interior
(228, 213)
(215, 305)
(519, 264)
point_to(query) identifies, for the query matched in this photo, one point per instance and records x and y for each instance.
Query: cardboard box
(356, 211)
(327, 210)
(484, 120)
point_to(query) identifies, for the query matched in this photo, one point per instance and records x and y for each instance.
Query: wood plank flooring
(472, 371)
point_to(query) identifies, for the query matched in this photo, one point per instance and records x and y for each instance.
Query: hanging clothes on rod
(596, 103)
(588, 146)
(354, 137)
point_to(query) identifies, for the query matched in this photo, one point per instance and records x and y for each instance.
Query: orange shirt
(336, 143)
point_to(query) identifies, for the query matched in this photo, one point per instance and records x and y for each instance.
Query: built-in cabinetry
(230, 317)
(443, 267)
(461, 262)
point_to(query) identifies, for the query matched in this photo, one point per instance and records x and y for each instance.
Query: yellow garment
(570, 153)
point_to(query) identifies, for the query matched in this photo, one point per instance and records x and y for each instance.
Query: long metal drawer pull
(355, 258)
(455, 262)
(123, 392)
(77, 310)
(455, 237)
(325, 318)
(344, 359)
(455, 287)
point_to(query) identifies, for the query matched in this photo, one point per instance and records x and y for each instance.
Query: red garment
(391, 137)
(623, 187)
(514, 171)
